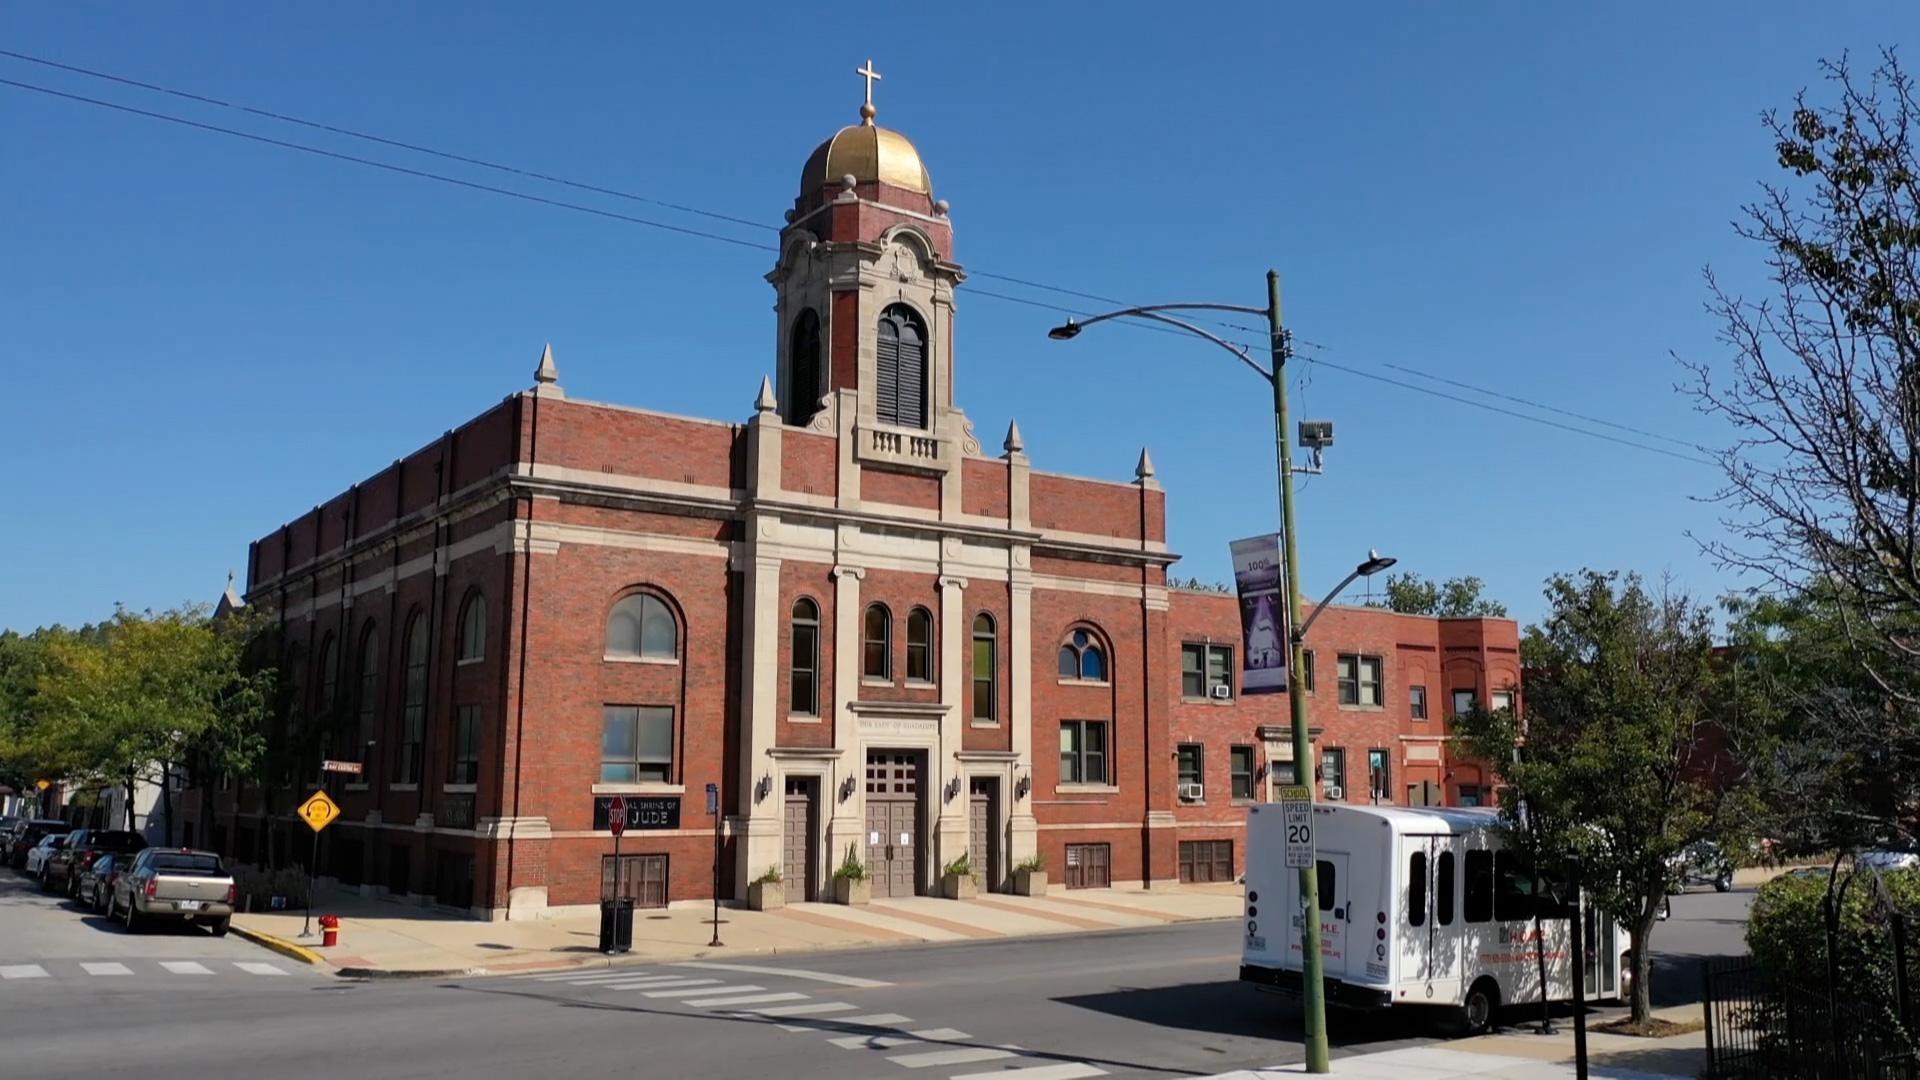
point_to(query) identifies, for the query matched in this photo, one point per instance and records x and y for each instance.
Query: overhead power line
(424, 174)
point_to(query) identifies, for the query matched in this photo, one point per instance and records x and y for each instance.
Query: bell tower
(864, 287)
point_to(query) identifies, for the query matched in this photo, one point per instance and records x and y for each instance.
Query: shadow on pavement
(1231, 1007)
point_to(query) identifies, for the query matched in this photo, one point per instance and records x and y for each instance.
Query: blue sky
(207, 336)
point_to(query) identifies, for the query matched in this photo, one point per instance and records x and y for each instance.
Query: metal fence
(1758, 1026)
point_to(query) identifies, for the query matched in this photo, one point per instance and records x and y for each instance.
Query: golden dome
(867, 153)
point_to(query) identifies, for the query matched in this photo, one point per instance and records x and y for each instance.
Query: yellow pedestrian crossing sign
(318, 811)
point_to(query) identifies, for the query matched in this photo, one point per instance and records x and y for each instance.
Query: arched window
(900, 369)
(877, 641)
(642, 626)
(803, 369)
(473, 627)
(329, 673)
(986, 650)
(803, 685)
(1082, 657)
(369, 671)
(920, 645)
(413, 715)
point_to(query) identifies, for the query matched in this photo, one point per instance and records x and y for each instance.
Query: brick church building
(868, 629)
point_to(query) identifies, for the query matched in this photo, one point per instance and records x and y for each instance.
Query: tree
(1631, 749)
(1456, 598)
(154, 692)
(1822, 483)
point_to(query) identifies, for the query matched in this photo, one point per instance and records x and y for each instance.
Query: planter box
(958, 887)
(1030, 882)
(849, 891)
(766, 895)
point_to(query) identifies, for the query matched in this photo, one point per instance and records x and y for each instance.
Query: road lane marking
(186, 967)
(791, 973)
(961, 1056)
(107, 968)
(255, 967)
(746, 999)
(22, 971)
(1072, 1070)
(800, 1010)
(680, 992)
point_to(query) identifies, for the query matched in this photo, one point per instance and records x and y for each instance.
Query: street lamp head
(1375, 563)
(1065, 332)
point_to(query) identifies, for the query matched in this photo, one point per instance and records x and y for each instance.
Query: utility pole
(1312, 986)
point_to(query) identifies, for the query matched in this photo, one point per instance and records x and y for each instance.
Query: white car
(39, 853)
(1885, 859)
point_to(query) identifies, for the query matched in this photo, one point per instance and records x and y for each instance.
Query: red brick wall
(983, 488)
(809, 463)
(606, 439)
(899, 488)
(1087, 506)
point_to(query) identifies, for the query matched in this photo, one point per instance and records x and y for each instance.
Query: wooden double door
(894, 821)
(798, 856)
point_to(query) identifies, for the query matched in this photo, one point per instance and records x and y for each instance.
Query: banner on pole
(1263, 614)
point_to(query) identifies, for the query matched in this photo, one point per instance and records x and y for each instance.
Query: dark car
(92, 883)
(84, 846)
(27, 834)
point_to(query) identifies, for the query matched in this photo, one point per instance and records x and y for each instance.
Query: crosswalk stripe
(186, 967)
(839, 1023)
(792, 973)
(747, 999)
(680, 992)
(255, 967)
(965, 1055)
(939, 1034)
(1071, 1070)
(650, 980)
(873, 1042)
(107, 968)
(800, 1010)
(616, 976)
(22, 971)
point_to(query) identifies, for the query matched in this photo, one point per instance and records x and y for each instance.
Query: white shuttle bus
(1418, 906)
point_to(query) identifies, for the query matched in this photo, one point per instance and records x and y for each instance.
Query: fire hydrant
(329, 931)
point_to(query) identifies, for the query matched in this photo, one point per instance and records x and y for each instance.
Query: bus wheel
(1476, 1013)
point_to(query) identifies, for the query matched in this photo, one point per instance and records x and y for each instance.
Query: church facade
(873, 635)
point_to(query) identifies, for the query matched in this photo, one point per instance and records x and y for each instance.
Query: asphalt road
(1161, 1002)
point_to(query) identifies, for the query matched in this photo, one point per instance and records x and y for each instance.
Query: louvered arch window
(900, 369)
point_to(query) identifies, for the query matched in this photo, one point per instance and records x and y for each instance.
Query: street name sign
(351, 768)
(1296, 814)
(318, 811)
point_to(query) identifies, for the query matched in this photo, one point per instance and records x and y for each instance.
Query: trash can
(616, 925)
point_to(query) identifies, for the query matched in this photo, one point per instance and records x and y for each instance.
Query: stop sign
(617, 815)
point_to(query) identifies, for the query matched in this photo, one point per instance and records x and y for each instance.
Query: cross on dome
(867, 111)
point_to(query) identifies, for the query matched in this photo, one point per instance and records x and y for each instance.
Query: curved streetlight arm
(1300, 634)
(1124, 312)
(1239, 353)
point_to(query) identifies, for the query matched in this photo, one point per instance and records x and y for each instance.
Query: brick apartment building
(868, 630)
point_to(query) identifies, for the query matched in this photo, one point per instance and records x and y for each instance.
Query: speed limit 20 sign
(1296, 815)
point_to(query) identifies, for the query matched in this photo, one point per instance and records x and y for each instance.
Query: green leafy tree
(1632, 747)
(1455, 598)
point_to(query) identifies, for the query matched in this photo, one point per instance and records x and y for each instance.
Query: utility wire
(738, 242)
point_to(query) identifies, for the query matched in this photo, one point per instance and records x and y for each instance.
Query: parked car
(37, 856)
(1701, 863)
(93, 882)
(177, 884)
(84, 846)
(1886, 859)
(15, 844)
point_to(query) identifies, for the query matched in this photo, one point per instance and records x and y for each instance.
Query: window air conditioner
(1334, 793)
(1223, 693)
(1193, 792)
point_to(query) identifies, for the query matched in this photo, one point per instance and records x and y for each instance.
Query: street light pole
(1312, 984)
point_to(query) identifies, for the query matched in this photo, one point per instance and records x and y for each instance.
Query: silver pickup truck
(174, 884)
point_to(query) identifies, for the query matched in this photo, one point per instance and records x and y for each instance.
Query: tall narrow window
(369, 697)
(473, 627)
(986, 651)
(1191, 768)
(464, 767)
(920, 645)
(1380, 774)
(1083, 752)
(1417, 701)
(1240, 760)
(877, 643)
(1443, 889)
(329, 673)
(1082, 658)
(900, 369)
(804, 685)
(414, 704)
(1417, 889)
(642, 627)
(803, 369)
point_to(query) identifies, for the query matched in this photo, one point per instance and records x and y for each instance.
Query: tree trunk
(1638, 934)
(129, 784)
(166, 802)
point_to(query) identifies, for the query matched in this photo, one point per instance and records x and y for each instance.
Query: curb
(279, 945)
(393, 974)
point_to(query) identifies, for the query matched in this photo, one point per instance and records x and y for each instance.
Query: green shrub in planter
(1786, 932)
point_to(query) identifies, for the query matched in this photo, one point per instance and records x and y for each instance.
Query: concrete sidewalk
(1518, 1055)
(380, 938)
